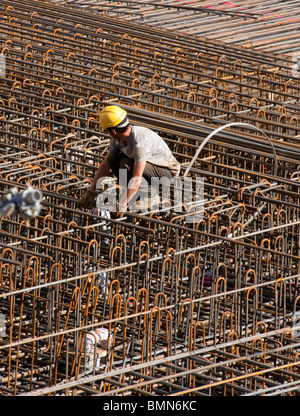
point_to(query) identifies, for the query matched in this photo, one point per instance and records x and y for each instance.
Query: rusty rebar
(202, 307)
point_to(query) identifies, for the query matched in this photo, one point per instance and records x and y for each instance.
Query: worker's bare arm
(101, 172)
(134, 183)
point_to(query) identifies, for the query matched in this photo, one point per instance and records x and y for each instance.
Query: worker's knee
(126, 163)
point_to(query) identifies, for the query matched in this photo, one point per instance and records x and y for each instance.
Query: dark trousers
(152, 173)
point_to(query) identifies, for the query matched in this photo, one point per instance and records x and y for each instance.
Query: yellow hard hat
(112, 116)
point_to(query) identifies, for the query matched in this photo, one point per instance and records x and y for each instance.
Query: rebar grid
(269, 26)
(191, 308)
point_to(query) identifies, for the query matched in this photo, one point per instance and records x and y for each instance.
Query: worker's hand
(87, 199)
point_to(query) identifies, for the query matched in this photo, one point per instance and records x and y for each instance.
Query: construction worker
(139, 150)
